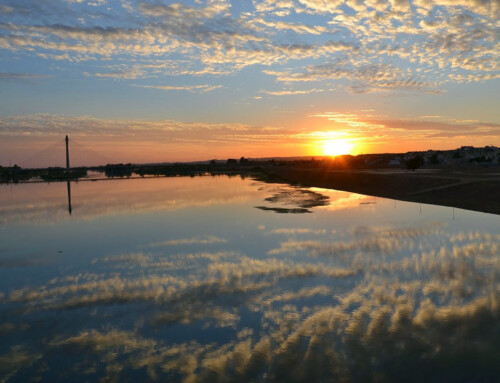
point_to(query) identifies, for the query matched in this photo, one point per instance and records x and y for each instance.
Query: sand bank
(469, 188)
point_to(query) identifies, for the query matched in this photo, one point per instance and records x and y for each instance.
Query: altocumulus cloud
(412, 45)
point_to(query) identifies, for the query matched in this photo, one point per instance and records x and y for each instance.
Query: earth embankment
(472, 189)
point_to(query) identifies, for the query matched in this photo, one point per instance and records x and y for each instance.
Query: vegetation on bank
(414, 163)
(17, 174)
(410, 161)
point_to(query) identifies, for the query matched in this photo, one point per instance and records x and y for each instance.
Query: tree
(434, 159)
(414, 163)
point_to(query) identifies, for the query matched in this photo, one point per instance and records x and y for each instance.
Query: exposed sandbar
(469, 188)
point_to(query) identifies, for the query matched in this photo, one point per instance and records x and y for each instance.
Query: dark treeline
(411, 161)
(17, 174)
(167, 170)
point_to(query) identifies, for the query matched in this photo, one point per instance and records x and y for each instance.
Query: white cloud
(424, 49)
(291, 92)
(189, 88)
(324, 6)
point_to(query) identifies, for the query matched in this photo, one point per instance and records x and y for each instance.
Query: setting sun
(336, 147)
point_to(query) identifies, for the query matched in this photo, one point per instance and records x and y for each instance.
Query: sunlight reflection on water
(184, 279)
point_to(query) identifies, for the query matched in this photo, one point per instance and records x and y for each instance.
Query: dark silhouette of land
(467, 178)
(466, 188)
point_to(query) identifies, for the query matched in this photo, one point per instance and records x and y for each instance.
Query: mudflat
(472, 188)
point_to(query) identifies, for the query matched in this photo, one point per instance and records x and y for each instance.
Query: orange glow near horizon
(337, 147)
(333, 143)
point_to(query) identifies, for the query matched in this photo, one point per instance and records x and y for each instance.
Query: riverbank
(475, 189)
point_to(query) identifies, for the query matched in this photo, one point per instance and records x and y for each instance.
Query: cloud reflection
(209, 240)
(93, 200)
(357, 303)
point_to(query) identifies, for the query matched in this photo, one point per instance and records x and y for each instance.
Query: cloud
(294, 231)
(102, 341)
(486, 7)
(400, 5)
(189, 88)
(212, 9)
(190, 313)
(111, 136)
(339, 249)
(14, 262)
(120, 73)
(125, 140)
(368, 126)
(323, 6)
(87, 125)
(23, 77)
(268, 6)
(208, 240)
(92, 203)
(17, 359)
(222, 278)
(291, 92)
(374, 46)
(305, 292)
(297, 28)
(365, 78)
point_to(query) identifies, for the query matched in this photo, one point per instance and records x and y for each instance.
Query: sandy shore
(466, 188)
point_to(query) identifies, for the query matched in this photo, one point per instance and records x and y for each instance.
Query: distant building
(396, 161)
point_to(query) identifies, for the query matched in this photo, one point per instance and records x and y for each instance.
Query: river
(220, 278)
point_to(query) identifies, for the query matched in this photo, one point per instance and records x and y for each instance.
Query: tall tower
(67, 154)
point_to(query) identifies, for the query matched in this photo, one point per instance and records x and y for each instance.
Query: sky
(156, 80)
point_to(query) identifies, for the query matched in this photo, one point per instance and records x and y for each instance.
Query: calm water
(232, 279)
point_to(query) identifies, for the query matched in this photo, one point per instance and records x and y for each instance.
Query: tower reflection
(69, 197)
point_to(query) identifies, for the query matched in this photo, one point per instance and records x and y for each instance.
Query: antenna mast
(67, 154)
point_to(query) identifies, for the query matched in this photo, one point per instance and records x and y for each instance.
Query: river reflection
(198, 279)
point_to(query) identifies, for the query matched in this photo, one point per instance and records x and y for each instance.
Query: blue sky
(161, 80)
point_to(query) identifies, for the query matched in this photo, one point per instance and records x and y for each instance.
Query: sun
(336, 147)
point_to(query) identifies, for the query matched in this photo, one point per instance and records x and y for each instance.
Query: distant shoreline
(471, 189)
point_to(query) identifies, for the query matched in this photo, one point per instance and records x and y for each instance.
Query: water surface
(232, 279)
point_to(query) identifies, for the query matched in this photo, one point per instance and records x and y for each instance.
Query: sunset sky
(156, 80)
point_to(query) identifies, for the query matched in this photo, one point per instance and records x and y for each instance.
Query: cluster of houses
(461, 156)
